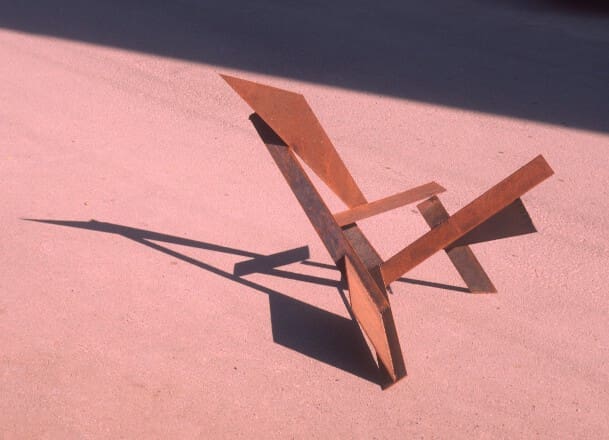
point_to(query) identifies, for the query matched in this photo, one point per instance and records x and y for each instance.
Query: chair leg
(462, 257)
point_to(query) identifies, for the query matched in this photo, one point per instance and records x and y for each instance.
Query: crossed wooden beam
(288, 127)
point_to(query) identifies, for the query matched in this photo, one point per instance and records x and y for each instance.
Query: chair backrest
(291, 117)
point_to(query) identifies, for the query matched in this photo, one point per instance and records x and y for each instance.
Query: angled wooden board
(394, 201)
(511, 221)
(290, 116)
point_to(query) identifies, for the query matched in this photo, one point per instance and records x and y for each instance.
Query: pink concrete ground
(104, 337)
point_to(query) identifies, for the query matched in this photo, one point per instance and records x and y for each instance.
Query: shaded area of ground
(542, 60)
(307, 329)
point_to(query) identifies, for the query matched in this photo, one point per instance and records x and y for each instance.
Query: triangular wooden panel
(290, 116)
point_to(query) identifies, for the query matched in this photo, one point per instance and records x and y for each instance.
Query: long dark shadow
(257, 263)
(306, 329)
(541, 60)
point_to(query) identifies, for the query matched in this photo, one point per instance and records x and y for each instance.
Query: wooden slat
(462, 257)
(290, 116)
(388, 203)
(467, 218)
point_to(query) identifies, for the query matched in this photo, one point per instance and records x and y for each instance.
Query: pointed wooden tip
(233, 81)
(544, 166)
(239, 85)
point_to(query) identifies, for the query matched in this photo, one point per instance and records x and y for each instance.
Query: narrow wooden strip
(462, 257)
(388, 203)
(311, 202)
(467, 218)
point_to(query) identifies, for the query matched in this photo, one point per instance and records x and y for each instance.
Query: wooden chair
(287, 126)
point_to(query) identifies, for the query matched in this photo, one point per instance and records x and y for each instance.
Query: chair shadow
(306, 329)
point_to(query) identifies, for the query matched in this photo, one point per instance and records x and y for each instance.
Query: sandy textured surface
(136, 327)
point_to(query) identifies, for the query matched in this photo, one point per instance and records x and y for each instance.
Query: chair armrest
(370, 209)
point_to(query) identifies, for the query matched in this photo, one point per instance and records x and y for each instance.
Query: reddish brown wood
(462, 257)
(373, 313)
(265, 263)
(290, 116)
(369, 256)
(370, 209)
(467, 218)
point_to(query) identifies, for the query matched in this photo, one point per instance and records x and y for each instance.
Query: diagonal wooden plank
(340, 249)
(467, 218)
(370, 209)
(290, 116)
